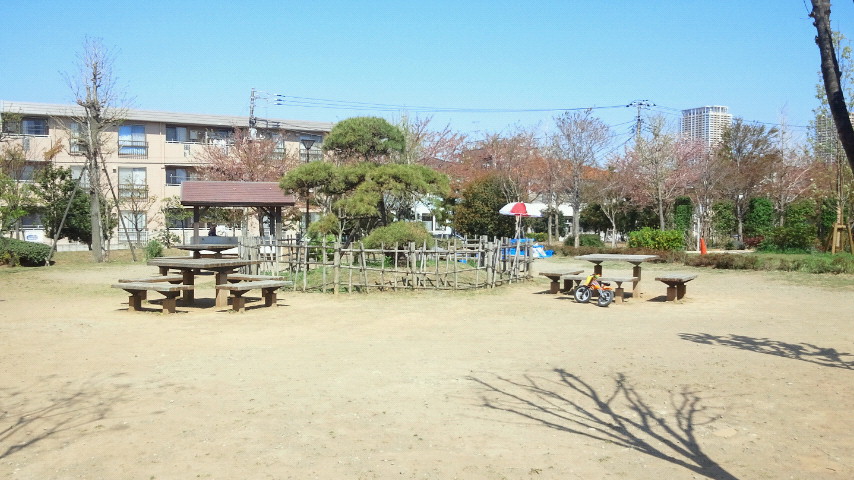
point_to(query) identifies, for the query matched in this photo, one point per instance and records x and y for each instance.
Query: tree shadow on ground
(826, 357)
(619, 416)
(35, 413)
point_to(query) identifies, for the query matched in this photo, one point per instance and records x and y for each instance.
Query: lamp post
(307, 143)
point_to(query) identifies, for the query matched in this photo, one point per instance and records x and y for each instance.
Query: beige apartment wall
(160, 155)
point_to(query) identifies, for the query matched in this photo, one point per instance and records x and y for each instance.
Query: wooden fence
(458, 264)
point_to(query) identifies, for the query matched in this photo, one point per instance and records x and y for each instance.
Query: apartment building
(706, 123)
(150, 149)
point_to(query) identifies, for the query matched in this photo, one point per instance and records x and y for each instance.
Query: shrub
(28, 254)
(657, 239)
(795, 237)
(724, 261)
(153, 249)
(167, 238)
(398, 233)
(759, 218)
(539, 236)
(753, 242)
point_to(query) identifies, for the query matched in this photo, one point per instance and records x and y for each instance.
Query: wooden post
(336, 268)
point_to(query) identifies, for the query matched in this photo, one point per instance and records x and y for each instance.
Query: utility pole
(638, 119)
(252, 119)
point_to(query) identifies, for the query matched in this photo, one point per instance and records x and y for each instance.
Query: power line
(311, 102)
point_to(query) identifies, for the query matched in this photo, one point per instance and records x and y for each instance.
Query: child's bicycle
(592, 284)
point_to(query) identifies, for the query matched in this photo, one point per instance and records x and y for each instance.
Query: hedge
(15, 252)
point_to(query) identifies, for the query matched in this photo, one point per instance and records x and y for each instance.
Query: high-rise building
(706, 123)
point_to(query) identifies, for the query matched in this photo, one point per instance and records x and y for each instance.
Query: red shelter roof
(234, 194)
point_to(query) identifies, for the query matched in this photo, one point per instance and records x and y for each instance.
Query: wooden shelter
(267, 197)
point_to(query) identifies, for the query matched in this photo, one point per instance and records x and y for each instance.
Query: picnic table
(189, 268)
(197, 248)
(636, 260)
(555, 277)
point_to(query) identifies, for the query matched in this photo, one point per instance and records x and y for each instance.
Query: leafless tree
(579, 140)
(103, 108)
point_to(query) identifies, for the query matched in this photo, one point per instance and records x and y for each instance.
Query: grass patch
(816, 263)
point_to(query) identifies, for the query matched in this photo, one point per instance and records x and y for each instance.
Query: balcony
(133, 148)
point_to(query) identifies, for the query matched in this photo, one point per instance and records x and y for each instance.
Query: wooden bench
(157, 278)
(619, 292)
(138, 291)
(241, 277)
(572, 281)
(675, 284)
(555, 278)
(268, 290)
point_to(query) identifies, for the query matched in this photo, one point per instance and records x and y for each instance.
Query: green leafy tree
(746, 151)
(53, 188)
(401, 233)
(723, 221)
(370, 139)
(759, 219)
(14, 195)
(358, 195)
(683, 214)
(477, 211)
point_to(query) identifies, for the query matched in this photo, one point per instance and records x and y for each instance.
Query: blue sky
(758, 57)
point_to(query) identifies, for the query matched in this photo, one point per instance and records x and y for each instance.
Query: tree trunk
(97, 244)
(576, 215)
(831, 74)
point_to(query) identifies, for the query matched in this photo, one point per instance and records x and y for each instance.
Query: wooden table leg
(221, 294)
(189, 279)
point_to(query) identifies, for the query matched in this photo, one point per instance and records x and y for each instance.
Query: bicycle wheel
(582, 294)
(605, 298)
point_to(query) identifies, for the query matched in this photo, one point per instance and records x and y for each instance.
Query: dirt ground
(749, 377)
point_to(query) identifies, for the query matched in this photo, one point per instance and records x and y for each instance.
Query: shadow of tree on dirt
(827, 357)
(34, 413)
(619, 416)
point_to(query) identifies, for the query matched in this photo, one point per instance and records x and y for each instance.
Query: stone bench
(268, 290)
(157, 278)
(675, 284)
(555, 277)
(137, 291)
(619, 292)
(572, 281)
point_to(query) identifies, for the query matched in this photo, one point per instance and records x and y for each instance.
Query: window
(179, 175)
(132, 182)
(132, 141)
(36, 126)
(315, 153)
(76, 170)
(75, 139)
(134, 228)
(26, 173)
(32, 220)
(176, 134)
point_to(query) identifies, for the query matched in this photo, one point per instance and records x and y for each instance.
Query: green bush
(400, 233)
(538, 236)
(153, 249)
(19, 252)
(795, 237)
(657, 239)
(759, 218)
(809, 263)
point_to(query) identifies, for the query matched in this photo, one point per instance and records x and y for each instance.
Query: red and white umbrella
(521, 209)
